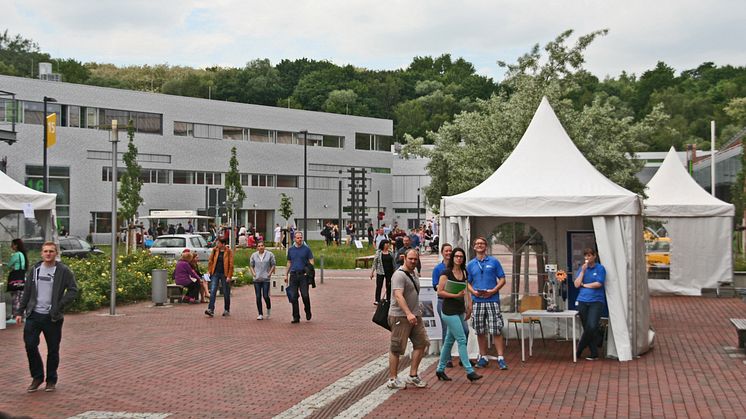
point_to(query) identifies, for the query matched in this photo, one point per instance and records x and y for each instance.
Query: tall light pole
(339, 214)
(114, 138)
(44, 124)
(417, 223)
(305, 184)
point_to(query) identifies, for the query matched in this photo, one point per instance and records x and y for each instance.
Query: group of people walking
(469, 291)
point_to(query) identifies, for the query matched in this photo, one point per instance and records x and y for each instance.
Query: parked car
(73, 246)
(172, 245)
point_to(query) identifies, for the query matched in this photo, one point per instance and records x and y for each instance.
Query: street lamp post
(305, 184)
(417, 223)
(114, 138)
(44, 124)
(339, 202)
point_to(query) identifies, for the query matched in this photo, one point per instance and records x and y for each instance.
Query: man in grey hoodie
(50, 287)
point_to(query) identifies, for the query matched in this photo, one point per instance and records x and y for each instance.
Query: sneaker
(482, 362)
(416, 381)
(501, 364)
(260, 317)
(209, 313)
(395, 384)
(268, 312)
(295, 321)
(34, 385)
(591, 358)
(50, 387)
(226, 314)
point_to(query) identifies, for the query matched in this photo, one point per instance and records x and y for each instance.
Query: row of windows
(269, 181)
(336, 168)
(141, 157)
(28, 112)
(257, 135)
(185, 177)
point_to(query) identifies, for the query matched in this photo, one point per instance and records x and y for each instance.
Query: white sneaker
(415, 381)
(260, 317)
(394, 384)
(267, 316)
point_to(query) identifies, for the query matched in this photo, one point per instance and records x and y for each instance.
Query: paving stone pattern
(177, 362)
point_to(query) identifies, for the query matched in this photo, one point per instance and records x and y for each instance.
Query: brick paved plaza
(178, 363)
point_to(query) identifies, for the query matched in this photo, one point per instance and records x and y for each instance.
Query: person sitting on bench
(185, 276)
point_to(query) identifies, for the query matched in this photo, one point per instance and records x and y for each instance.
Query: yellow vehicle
(658, 257)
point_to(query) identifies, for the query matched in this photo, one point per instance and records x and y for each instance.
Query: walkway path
(177, 362)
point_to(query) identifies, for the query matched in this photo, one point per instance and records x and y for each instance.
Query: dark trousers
(590, 316)
(380, 281)
(193, 290)
(261, 289)
(37, 324)
(225, 286)
(299, 283)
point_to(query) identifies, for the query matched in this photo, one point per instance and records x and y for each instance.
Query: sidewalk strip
(93, 414)
(368, 403)
(327, 395)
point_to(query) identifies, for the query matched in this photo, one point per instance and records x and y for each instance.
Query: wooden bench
(174, 292)
(364, 261)
(740, 325)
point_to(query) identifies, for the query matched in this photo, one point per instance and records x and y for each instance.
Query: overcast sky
(380, 34)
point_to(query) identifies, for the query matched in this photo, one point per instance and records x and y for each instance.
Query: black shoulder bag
(381, 316)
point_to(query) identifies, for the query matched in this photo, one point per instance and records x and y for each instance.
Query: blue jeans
(454, 332)
(261, 289)
(464, 324)
(590, 316)
(215, 281)
(37, 324)
(299, 283)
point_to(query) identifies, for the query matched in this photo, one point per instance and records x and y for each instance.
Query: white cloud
(381, 34)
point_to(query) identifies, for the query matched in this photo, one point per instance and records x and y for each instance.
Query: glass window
(8, 109)
(245, 179)
(183, 177)
(169, 242)
(233, 133)
(91, 118)
(284, 137)
(101, 222)
(183, 129)
(362, 141)
(383, 142)
(286, 181)
(105, 116)
(195, 242)
(200, 178)
(201, 131)
(161, 176)
(260, 135)
(215, 132)
(217, 179)
(333, 141)
(148, 123)
(73, 116)
(33, 112)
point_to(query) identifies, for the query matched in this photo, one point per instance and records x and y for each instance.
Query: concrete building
(184, 147)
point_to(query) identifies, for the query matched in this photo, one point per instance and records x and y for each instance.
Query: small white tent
(14, 196)
(547, 183)
(699, 225)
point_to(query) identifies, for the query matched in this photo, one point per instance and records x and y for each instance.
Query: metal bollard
(158, 284)
(322, 269)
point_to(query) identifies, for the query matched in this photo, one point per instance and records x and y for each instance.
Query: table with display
(567, 314)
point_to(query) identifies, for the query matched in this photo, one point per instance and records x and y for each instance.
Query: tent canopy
(699, 226)
(13, 196)
(545, 176)
(672, 192)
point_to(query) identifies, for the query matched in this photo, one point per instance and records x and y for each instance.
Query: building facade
(184, 148)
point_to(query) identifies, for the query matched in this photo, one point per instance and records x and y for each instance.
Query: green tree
(476, 143)
(19, 56)
(234, 192)
(286, 207)
(130, 186)
(341, 101)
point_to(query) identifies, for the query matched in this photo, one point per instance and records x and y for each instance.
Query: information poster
(429, 301)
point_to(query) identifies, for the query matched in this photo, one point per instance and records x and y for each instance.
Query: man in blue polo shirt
(486, 277)
(591, 300)
(299, 256)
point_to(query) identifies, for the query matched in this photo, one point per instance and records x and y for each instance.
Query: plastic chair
(529, 302)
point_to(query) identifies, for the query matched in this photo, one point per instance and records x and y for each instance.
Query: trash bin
(158, 283)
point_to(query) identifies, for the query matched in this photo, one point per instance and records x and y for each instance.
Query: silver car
(171, 246)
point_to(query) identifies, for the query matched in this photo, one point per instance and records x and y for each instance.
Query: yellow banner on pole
(51, 129)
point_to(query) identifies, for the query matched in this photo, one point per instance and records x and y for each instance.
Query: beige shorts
(401, 330)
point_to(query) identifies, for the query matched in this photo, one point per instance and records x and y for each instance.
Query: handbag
(381, 316)
(16, 280)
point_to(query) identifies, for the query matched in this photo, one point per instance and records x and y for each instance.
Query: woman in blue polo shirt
(591, 300)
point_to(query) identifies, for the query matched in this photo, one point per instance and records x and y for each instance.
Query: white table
(567, 314)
